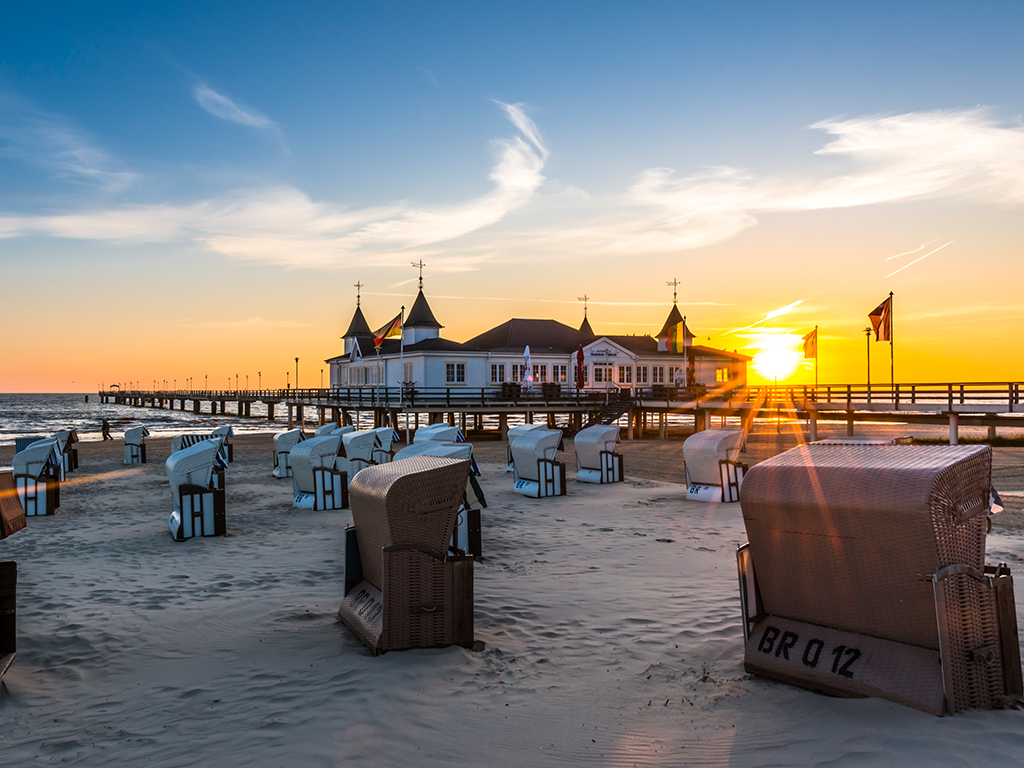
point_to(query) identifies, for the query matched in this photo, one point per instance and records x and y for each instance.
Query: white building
(423, 359)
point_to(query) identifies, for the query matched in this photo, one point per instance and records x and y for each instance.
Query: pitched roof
(540, 335)
(585, 327)
(358, 328)
(674, 318)
(420, 315)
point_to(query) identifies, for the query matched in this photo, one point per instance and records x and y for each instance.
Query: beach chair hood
(314, 452)
(590, 442)
(285, 441)
(533, 445)
(37, 457)
(193, 465)
(134, 435)
(443, 432)
(702, 452)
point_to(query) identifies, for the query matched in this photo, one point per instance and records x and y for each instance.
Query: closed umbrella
(579, 367)
(528, 374)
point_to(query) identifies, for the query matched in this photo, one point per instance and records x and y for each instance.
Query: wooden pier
(989, 404)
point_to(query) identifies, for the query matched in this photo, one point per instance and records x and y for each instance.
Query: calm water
(22, 415)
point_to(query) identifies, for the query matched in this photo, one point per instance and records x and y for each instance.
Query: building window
(602, 373)
(672, 370)
(498, 373)
(625, 374)
(721, 375)
(641, 374)
(454, 373)
(540, 373)
(657, 374)
(560, 374)
(407, 373)
(517, 372)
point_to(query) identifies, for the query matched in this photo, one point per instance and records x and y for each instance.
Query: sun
(779, 356)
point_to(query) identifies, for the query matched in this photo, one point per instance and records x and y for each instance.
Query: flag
(678, 337)
(394, 328)
(811, 345)
(580, 367)
(881, 320)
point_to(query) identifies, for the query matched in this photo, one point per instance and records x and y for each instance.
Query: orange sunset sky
(168, 213)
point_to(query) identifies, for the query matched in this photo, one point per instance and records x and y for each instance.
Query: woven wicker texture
(413, 500)
(436, 448)
(703, 450)
(591, 441)
(12, 515)
(417, 601)
(848, 536)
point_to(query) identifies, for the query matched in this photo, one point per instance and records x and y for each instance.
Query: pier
(645, 410)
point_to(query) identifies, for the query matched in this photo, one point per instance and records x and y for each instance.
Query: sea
(42, 415)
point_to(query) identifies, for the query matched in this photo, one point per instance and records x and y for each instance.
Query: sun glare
(779, 356)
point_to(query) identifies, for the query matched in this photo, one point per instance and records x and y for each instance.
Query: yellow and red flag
(394, 328)
(679, 337)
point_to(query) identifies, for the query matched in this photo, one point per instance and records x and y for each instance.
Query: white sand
(604, 645)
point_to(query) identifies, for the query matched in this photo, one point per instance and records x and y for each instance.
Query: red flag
(678, 336)
(881, 320)
(394, 328)
(579, 367)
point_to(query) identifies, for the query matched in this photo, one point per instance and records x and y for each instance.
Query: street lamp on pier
(260, 380)
(296, 373)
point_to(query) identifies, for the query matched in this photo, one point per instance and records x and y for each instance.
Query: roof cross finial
(358, 286)
(675, 284)
(420, 265)
(583, 298)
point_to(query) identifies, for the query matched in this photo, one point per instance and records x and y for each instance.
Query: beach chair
(318, 484)
(197, 492)
(37, 475)
(712, 472)
(443, 432)
(226, 432)
(12, 514)
(596, 460)
(8, 613)
(402, 587)
(66, 440)
(180, 442)
(356, 452)
(467, 536)
(513, 433)
(135, 445)
(284, 442)
(386, 436)
(537, 474)
(865, 575)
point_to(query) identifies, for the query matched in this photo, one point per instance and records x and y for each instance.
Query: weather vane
(675, 284)
(583, 298)
(358, 286)
(420, 265)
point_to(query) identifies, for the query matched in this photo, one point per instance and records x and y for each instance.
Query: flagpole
(892, 355)
(815, 361)
(401, 356)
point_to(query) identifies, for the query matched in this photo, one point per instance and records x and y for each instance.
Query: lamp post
(286, 384)
(236, 382)
(867, 335)
(206, 381)
(321, 378)
(296, 373)
(260, 374)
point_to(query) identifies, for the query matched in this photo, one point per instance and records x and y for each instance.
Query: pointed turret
(358, 328)
(585, 327)
(421, 323)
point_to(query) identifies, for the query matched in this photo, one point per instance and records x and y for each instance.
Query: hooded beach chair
(712, 472)
(12, 519)
(513, 433)
(226, 432)
(180, 442)
(468, 530)
(66, 440)
(331, 428)
(135, 445)
(357, 452)
(198, 496)
(284, 442)
(318, 484)
(37, 475)
(537, 474)
(865, 575)
(596, 460)
(386, 437)
(403, 589)
(443, 432)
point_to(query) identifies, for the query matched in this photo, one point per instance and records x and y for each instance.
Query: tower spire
(584, 299)
(358, 286)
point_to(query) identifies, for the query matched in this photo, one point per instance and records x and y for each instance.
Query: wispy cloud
(771, 315)
(250, 323)
(221, 106)
(34, 136)
(919, 258)
(534, 300)
(910, 253)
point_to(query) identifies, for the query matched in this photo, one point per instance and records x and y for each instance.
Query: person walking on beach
(106, 430)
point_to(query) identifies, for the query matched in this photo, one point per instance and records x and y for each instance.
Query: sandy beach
(609, 618)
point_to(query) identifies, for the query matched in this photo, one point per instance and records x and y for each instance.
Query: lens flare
(779, 357)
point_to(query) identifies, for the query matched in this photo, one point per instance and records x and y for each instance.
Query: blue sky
(525, 152)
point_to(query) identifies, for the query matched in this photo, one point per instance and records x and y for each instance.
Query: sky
(190, 192)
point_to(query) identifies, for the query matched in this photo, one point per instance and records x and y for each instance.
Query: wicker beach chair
(536, 473)
(596, 460)
(37, 475)
(402, 588)
(12, 514)
(870, 576)
(284, 442)
(135, 445)
(12, 520)
(317, 482)
(513, 433)
(196, 478)
(712, 471)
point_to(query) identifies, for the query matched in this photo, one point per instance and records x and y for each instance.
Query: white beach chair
(386, 436)
(284, 442)
(135, 445)
(66, 440)
(357, 452)
(712, 472)
(318, 484)
(513, 433)
(197, 494)
(37, 474)
(537, 474)
(180, 442)
(596, 460)
(226, 432)
(443, 432)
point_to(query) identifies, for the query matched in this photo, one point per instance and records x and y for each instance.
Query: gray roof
(358, 328)
(420, 315)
